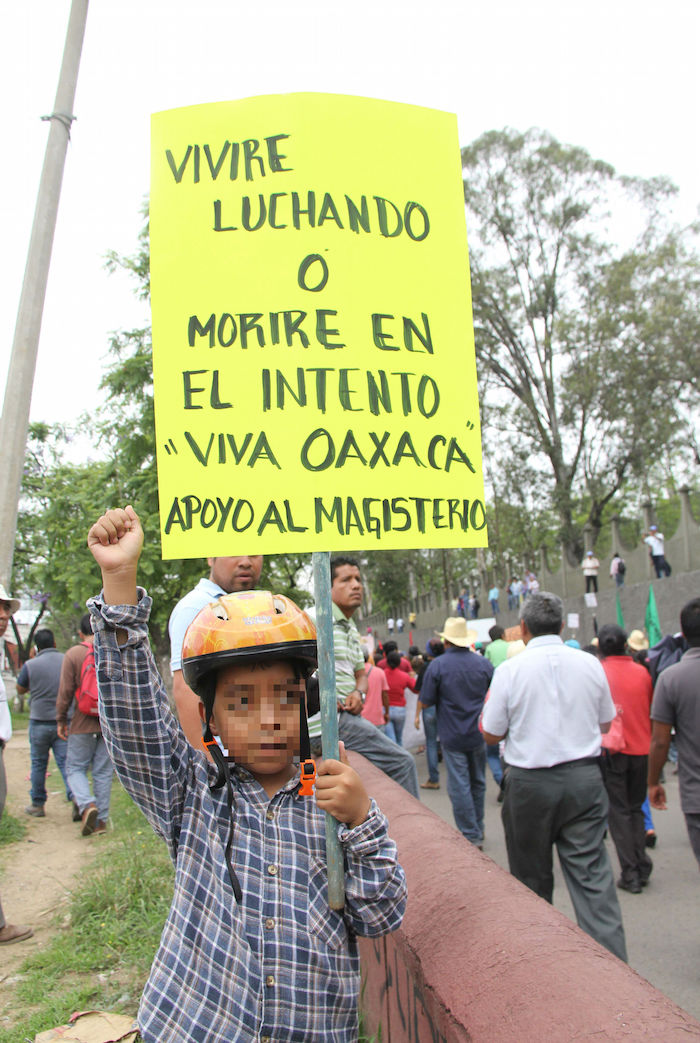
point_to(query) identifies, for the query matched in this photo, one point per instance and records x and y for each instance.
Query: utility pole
(14, 422)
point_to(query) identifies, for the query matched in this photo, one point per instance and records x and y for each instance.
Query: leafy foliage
(581, 345)
(60, 500)
(588, 365)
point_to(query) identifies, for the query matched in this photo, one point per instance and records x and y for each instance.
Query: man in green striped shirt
(351, 684)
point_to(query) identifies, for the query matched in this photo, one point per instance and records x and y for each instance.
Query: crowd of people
(654, 541)
(577, 740)
(63, 720)
(577, 743)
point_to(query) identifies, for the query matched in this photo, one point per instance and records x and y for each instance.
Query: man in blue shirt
(226, 576)
(456, 683)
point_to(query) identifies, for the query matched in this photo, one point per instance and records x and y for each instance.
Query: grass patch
(11, 828)
(101, 956)
(20, 721)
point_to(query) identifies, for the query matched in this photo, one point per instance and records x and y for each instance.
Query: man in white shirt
(550, 704)
(655, 542)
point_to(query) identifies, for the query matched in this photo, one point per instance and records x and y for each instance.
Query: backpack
(621, 567)
(86, 694)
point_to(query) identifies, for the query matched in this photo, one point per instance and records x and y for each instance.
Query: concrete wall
(480, 958)
(566, 579)
(670, 595)
(682, 552)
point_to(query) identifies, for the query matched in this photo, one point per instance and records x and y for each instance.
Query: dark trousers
(626, 782)
(43, 738)
(565, 805)
(661, 566)
(592, 584)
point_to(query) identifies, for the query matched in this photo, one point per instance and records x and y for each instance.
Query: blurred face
(256, 714)
(5, 614)
(346, 589)
(234, 574)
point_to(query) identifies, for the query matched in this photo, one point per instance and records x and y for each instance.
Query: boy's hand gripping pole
(329, 714)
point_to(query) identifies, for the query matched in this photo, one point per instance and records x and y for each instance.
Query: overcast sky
(619, 78)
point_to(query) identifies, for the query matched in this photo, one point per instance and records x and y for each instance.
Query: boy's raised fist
(115, 540)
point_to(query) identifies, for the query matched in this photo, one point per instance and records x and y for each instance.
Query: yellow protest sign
(313, 354)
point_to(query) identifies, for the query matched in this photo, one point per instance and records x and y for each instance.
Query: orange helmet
(243, 627)
(240, 628)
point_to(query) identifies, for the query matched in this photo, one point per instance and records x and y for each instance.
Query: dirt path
(38, 873)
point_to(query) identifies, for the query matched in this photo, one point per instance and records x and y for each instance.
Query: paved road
(662, 924)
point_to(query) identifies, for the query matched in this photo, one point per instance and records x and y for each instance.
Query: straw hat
(14, 602)
(637, 641)
(456, 632)
(515, 648)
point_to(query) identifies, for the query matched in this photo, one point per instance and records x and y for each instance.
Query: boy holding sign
(250, 950)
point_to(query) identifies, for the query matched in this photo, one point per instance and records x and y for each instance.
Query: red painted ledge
(481, 958)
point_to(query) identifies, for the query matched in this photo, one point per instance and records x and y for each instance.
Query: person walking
(86, 746)
(433, 755)
(398, 681)
(40, 677)
(456, 683)
(376, 707)
(625, 756)
(676, 705)
(618, 569)
(550, 703)
(9, 932)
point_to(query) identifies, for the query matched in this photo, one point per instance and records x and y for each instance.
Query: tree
(61, 499)
(58, 502)
(579, 344)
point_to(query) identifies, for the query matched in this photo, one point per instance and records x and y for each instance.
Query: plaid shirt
(281, 966)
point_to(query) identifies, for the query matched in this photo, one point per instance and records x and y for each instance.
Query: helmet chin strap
(304, 742)
(308, 773)
(307, 766)
(223, 777)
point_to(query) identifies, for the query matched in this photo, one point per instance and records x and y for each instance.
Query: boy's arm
(115, 541)
(149, 751)
(375, 884)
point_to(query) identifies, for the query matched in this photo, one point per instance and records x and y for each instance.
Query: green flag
(651, 620)
(620, 617)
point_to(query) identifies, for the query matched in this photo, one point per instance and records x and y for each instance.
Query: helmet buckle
(308, 777)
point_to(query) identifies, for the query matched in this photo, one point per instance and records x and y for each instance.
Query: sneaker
(77, 817)
(89, 819)
(37, 810)
(430, 785)
(14, 933)
(100, 828)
